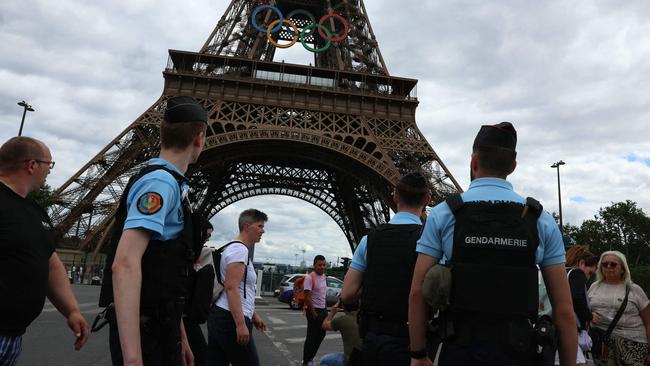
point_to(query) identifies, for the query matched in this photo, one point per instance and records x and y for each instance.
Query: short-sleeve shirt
(154, 203)
(26, 247)
(346, 323)
(605, 300)
(318, 291)
(360, 258)
(238, 253)
(437, 238)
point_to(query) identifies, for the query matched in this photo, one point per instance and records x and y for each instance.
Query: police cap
(501, 135)
(184, 109)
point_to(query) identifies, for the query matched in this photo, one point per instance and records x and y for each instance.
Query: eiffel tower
(337, 134)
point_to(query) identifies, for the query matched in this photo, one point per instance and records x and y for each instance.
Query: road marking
(275, 320)
(93, 311)
(302, 339)
(49, 307)
(282, 348)
(291, 327)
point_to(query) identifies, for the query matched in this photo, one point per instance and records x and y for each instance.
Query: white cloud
(572, 76)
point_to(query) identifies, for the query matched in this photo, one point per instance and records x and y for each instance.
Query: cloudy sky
(573, 76)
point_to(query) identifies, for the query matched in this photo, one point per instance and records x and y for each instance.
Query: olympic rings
(303, 12)
(339, 37)
(257, 11)
(311, 29)
(295, 31)
(307, 30)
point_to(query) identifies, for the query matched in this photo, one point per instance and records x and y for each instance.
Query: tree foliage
(621, 226)
(44, 196)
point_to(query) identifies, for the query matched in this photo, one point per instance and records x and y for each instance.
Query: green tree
(621, 226)
(591, 233)
(629, 230)
(44, 196)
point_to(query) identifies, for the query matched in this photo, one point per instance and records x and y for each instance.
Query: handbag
(600, 337)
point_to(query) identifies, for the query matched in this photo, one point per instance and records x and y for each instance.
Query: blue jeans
(10, 348)
(332, 359)
(223, 349)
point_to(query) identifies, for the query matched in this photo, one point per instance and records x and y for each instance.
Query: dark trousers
(315, 334)
(481, 354)
(223, 349)
(385, 350)
(197, 342)
(160, 344)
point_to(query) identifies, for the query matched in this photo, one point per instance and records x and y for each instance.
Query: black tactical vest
(387, 281)
(167, 266)
(494, 274)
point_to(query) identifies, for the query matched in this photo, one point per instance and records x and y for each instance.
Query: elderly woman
(628, 343)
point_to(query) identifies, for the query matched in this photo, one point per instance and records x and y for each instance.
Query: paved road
(48, 341)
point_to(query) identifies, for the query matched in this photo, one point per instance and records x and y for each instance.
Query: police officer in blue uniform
(381, 270)
(154, 246)
(492, 239)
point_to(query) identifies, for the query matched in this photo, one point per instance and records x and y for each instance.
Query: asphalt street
(49, 342)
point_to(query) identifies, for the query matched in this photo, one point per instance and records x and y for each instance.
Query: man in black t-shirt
(30, 269)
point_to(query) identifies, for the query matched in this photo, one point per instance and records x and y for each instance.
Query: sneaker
(310, 363)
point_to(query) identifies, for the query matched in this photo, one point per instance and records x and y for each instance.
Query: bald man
(30, 269)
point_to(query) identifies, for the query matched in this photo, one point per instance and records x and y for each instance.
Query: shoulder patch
(149, 203)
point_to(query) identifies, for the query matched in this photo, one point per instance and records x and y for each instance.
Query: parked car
(285, 291)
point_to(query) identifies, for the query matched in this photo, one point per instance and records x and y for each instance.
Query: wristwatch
(419, 354)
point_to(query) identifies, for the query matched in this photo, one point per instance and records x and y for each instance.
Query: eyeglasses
(609, 264)
(50, 163)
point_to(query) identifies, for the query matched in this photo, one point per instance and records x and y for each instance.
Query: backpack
(212, 257)
(200, 301)
(299, 289)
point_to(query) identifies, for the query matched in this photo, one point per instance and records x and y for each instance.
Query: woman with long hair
(628, 343)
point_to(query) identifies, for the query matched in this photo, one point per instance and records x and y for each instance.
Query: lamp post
(559, 194)
(26, 107)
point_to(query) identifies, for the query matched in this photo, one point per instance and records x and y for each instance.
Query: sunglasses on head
(609, 264)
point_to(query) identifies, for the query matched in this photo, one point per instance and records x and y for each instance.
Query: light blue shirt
(164, 216)
(359, 260)
(438, 236)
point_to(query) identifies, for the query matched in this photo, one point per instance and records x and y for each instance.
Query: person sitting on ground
(347, 325)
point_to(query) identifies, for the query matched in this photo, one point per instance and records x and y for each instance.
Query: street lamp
(26, 107)
(559, 195)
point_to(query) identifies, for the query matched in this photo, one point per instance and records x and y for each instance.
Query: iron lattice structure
(337, 135)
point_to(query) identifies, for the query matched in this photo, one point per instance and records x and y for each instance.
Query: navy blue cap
(501, 135)
(184, 109)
